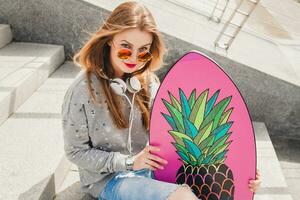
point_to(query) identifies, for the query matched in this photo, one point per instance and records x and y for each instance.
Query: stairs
(33, 150)
(23, 68)
(29, 113)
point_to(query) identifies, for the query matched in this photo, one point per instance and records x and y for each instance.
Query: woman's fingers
(150, 167)
(154, 164)
(151, 148)
(254, 182)
(153, 160)
(254, 185)
(257, 175)
(158, 159)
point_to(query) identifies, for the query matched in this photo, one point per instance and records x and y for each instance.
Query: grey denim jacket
(91, 140)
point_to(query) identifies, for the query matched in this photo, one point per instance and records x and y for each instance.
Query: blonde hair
(93, 57)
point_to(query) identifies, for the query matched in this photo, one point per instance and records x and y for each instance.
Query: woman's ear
(109, 43)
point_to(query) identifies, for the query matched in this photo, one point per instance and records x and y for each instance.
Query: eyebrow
(133, 45)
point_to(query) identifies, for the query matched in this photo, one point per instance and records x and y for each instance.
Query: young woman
(96, 119)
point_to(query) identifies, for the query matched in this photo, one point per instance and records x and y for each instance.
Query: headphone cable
(130, 122)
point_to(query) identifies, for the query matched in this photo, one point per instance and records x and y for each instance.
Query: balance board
(203, 128)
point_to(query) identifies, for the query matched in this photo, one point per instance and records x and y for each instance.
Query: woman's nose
(133, 57)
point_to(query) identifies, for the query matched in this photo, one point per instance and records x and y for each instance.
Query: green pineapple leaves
(192, 98)
(171, 121)
(190, 128)
(197, 113)
(175, 102)
(216, 113)
(186, 110)
(203, 133)
(176, 115)
(179, 136)
(199, 127)
(211, 102)
(192, 148)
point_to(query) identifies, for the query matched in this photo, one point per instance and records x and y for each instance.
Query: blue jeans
(137, 185)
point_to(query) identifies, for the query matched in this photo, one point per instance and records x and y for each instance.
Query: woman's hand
(145, 159)
(255, 184)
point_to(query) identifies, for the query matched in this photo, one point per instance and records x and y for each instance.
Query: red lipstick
(130, 65)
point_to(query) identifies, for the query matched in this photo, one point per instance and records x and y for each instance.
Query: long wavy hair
(93, 57)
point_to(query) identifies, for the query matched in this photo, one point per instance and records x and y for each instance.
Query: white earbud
(133, 84)
(118, 86)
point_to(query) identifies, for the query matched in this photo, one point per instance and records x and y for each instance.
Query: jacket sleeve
(77, 144)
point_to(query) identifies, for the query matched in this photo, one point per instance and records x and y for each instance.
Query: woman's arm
(77, 142)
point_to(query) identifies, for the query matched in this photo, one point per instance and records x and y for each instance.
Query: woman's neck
(118, 74)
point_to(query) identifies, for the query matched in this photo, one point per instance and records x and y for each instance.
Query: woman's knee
(182, 192)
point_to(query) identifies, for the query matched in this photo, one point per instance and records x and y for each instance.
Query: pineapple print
(200, 130)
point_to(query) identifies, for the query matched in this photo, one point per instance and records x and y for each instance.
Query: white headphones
(120, 87)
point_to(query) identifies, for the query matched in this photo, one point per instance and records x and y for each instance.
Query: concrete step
(32, 155)
(273, 187)
(23, 68)
(291, 50)
(289, 20)
(5, 35)
(291, 171)
(288, 151)
(70, 188)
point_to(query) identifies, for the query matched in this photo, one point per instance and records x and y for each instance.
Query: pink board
(202, 125)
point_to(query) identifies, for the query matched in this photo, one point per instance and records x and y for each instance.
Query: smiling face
(136, 41)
